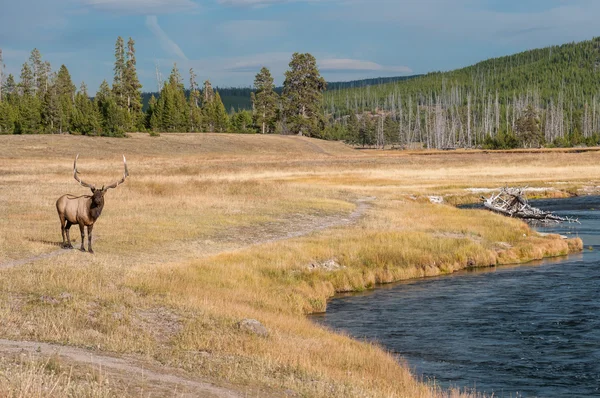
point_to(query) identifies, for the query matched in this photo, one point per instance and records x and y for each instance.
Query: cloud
(165, 42)
(333, 65)
(142, 7)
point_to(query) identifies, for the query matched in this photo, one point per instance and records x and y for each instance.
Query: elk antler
(122, 180)
(75, 172)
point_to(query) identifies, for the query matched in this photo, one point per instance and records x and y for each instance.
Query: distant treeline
(548, 97)
(239, 98)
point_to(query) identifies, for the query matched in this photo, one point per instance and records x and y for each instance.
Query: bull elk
(83, 210)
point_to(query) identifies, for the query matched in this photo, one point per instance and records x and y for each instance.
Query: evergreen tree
(241, 122)
(85, 116)
(27, 84)
(7, 118)
(118, 87)
(113, 118)
(528, 128)
(41, 71)
(65, 90)
(9, 88)
(264, 101)
(132, 87)
(352, 129)
(221, 119)
(50, 111)
(302, 95)
(153, 115)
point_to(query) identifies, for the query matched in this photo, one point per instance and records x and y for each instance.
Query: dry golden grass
(210, 229)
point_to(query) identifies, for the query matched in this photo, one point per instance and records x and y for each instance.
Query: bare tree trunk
(469, 119)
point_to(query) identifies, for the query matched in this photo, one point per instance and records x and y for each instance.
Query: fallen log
(512, 202)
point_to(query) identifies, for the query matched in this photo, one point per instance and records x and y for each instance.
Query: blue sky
(228, 41)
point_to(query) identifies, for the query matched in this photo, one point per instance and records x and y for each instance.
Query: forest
(542, 97)
(547, 97)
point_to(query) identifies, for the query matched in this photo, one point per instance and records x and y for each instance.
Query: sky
(228, 41)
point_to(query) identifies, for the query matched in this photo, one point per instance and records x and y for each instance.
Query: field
(210, 229)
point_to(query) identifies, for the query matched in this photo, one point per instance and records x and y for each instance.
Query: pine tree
(241, 122)
(132, 87)
(302, 95)
(264, 101)
(27, 84)
(118, 87)
(41, 71)
(50, 112)
(528, 128)
(113, 118)
(9, 88)
(221, 119)
(85, 116)
(7, 118)
(352, 129)
(153, 115)
(65, 90)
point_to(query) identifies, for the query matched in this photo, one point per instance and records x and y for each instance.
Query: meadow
(211, 229)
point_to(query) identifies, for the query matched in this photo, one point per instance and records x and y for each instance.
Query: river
(531, 330)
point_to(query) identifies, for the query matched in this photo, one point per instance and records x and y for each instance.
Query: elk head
(83, 210)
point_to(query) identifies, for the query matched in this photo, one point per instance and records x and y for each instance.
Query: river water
(515, 331)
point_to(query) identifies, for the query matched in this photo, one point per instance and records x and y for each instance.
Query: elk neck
(96, 206)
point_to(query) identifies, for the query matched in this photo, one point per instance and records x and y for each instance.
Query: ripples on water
(517, 331)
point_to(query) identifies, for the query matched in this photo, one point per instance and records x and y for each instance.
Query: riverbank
(213, 229)
(527, 330)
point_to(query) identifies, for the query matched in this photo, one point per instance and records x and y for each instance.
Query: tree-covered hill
(556, 87)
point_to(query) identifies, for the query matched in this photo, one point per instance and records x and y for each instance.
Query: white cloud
(347, 65)
(165, 42)
(143, 7)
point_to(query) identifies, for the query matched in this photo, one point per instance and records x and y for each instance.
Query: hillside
(483, 103)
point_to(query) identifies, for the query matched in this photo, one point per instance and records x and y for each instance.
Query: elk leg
(90, 227)
(82, 248)
(62, 231)
(67, 228)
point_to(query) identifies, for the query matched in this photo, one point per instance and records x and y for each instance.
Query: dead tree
(512, 202)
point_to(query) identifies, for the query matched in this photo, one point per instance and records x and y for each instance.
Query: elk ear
(93, 189)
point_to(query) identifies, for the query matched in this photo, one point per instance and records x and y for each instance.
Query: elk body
(83, 210)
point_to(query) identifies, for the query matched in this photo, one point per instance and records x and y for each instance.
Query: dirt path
(160, 380)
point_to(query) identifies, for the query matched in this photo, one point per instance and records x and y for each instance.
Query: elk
(83, 210)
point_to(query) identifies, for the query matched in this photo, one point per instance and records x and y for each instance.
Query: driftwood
(512, 203)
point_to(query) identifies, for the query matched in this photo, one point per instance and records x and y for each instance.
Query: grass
(211, 229)
(32, 377)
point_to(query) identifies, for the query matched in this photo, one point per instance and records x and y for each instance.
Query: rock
(327, 265)
(49, 300)
(436, 199)
(64, 296)
(254, 327)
